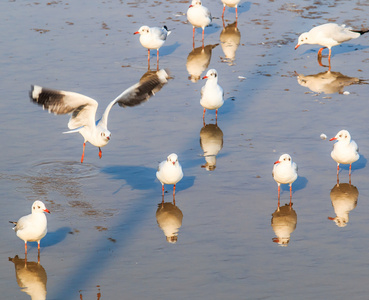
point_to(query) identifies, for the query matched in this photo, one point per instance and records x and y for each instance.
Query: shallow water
(104, 235)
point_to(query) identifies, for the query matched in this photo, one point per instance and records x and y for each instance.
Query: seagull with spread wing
(83, 109)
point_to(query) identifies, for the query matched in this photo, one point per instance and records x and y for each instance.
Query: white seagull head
(342, 136)
(39, 207)
(173, 158)
(211, 75)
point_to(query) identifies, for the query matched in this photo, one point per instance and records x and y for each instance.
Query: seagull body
(284, 172)
(83, 108)
(230, 3)
(345, 150)
(169, 172)
(153, 38)
(328, 35)
(211, 93)
(199, 16)
(32, 227)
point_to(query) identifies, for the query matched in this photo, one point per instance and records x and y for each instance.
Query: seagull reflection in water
(198, 60)
(230, 38)
(327, 82)
(211, 142)
(31, 277)
(344, 198)
(169, 218)
(283, 222)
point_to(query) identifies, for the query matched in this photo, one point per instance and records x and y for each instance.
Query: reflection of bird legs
(193, 37)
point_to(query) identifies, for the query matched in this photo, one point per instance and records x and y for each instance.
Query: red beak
(136, 32)
(332, 139)
(173, 163)
(46, 210)
(297, 46)
(191, 5)
(205, 77)
(108, 138)
(277, 162)
(330, 218)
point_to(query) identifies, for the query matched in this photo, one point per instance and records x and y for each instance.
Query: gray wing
(138, 93)
(82, 108)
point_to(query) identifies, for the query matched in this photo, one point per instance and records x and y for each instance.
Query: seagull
(198, 16)
(211, 93)
(33, 227)
(230, 3)
(328, 35)
(169, 172)
(284, 172)
(345, 150)
(83, 108)
(153, 38)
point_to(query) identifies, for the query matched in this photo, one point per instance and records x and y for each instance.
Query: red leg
(174, 191)
(223, 11)
(329, 59)
(25, 248)
(148, 58)
(216, 115)
(350, 175)
(83, 152)
(338, 169)
(203, 115)
(162, 190)
(290, 190)
(100, 152)
(157, 59)
(279, 193)
(236, 14)
(320, 51)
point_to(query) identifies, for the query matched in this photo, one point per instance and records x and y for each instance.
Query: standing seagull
(284, 172)
(345, 151)
(211, 93)
(33, 227)
(198, 16)
(83, 108)
(153, 38)
(230, 3)
(328, 35)
(169, 172)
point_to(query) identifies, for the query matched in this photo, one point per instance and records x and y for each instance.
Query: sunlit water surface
(108, 230)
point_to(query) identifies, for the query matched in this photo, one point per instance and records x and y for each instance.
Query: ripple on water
(63, 169)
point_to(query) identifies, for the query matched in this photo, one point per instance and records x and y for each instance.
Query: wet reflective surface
(106, 235)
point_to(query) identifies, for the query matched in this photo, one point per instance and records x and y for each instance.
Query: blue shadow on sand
(166, 50)
(359, 164)
(55, 237)
(143, 178)
(299, 184)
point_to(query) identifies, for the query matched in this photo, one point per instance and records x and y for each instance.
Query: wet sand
(104, 235)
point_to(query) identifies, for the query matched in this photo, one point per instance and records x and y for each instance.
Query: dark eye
(38, 206)
(345, 136)
(289, 159)
(340, 135)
